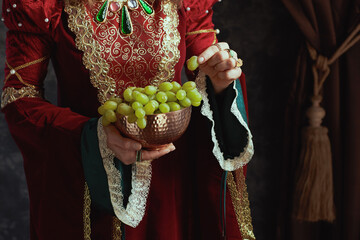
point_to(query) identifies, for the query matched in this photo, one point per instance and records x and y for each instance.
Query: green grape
(150, 90)
(152, 97)
(110, 105)
(161, 97)
(105, 122)
(176, 86)
(140, 113)
(101, 110)
(110, 116)
(116, 99)
(192, 63)
(135, 105)
(149, 108)
(141, 122)
(186, 102)
(155, 104)
(196, 104)
(194, 95)
(125, 109)
(128, 95)
(171, 96)
(132, 118)
(142, 98)
(189, 85)
(139, 89)
(164, 108)
(134, 94)
(165, 86)
(181, 94)
(174, 106)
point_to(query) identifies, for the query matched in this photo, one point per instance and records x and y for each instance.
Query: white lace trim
(140, 180)
(246, 155)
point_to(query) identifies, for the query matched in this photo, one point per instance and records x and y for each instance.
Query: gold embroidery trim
(116, 231)
(170, 44)
(215, 39)
(241, 205)
(86, 214)
(201, 31)
(14, 70)
(11, 94)
(204, 31)
(80, 23)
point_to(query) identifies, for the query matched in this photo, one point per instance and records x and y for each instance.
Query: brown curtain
(325, 25)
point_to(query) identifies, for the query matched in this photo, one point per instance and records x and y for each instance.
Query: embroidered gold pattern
(11, 94)
(116, 231)
(241, 205)
(171, 41)
(86, 214)
(116, 61)
(14, 71)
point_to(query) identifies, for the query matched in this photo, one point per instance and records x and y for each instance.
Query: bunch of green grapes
(137, 103)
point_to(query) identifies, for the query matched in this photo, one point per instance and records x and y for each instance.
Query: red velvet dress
(93, 61)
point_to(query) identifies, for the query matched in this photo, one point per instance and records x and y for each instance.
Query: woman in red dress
(82, 177)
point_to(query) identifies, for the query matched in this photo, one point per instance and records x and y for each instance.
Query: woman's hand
(125, 148)
(219, 66)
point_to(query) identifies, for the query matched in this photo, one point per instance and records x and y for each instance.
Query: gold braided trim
(11, 94)
(116, 230)
(215, 39)
(86, 214)
(215, 31)
(241, 206)
(201, 31)
(13, 71)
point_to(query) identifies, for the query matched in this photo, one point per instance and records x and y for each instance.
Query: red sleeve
(28, 49)
(200, 33)
(48, 136)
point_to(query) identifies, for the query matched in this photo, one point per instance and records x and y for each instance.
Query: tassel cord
(321, 66)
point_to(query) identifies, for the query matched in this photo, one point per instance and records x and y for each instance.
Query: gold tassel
(314, 189)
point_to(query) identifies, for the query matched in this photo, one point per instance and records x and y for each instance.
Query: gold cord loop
(14, 71)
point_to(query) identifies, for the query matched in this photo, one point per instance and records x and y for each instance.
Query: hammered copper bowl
(161, 129)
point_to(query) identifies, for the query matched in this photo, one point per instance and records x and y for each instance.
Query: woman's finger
(210, 71)
(217, 58)
(126, 157)
(151, 155)
(115, 139)
(210, 51)
(227, 64)
(230, 75)
(129, 144)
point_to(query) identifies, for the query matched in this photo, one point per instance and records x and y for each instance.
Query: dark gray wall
(265, 37)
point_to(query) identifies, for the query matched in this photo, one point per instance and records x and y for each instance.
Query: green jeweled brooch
(123, 7)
